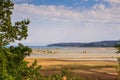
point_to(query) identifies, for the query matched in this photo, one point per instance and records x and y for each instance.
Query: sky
(58, 21)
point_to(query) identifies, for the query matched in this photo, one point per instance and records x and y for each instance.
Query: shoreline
(76, 57)
(75, 53)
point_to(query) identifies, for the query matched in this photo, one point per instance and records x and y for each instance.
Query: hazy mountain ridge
(91, 44)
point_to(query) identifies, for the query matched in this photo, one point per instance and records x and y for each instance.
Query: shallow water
(77, 53)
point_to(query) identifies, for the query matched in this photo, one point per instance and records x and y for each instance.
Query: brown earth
(52, 61)
(50, 66)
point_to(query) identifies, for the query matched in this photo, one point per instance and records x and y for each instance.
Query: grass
(56, 71)
(65, 72)
(51, 68)
(74, 67)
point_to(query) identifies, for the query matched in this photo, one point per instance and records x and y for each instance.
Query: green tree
(117, 46)
(12, 63)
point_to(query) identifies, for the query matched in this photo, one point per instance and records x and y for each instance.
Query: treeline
(91, 44)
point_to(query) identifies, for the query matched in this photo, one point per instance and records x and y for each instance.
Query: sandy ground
(51, 61)
(95, 73)
(76, 53)
(90, 58)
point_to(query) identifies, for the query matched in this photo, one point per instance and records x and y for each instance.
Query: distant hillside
(91, 44)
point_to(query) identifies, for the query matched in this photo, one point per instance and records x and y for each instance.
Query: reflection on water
(77, 53)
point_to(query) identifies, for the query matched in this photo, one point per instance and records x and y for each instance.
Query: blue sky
(56, 21)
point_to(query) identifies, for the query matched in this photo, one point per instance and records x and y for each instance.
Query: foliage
(8, 32)
(12, 64)
(118, 68)
(65, 74)
(117, 46)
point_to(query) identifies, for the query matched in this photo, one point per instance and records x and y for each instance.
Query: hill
(91, 44)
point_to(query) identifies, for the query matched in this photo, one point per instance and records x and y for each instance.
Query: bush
(12, 64)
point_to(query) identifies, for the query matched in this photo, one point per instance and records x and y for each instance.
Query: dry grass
(100, 70)
(51, 61)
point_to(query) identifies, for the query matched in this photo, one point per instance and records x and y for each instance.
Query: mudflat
(53, 61)
(95, 69)
(95, 63)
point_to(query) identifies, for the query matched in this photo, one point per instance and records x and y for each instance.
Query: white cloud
(60, 24)
(98, 14)
(99, 6)
(46, 12)
(113, 1)
(21, 1)
(87, 33)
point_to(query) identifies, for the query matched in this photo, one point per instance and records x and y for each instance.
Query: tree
(117, 46)
(8, 32)
(12, 63)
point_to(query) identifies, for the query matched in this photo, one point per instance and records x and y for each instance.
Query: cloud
(78, 33)
(21, 1)
(113, 1)
(99, 6)
(46, 12)
(50, 23)
(99, 13)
